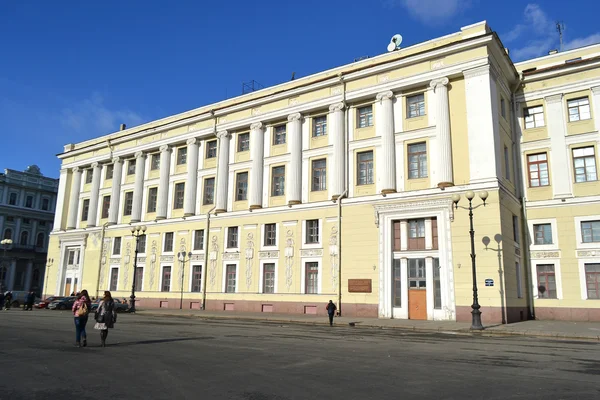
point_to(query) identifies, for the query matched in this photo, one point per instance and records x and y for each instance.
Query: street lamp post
(470, 195)
(48, 265)
(181, 257)
(5, 243)
(137, 232)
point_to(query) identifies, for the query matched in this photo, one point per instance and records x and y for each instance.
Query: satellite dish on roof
(395, 42)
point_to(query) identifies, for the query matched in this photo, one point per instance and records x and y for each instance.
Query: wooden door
(417, 304)
(68, 287)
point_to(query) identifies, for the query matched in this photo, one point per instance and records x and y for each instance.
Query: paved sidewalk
(553, 329)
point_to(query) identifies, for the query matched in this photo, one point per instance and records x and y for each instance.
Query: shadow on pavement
(157, 341)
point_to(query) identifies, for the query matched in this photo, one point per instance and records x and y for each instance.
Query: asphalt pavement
(154, 357)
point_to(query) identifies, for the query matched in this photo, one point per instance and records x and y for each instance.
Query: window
(537, 165)
(243, 142)
(279, 134)
(434, 233)
(542, 234)
(114, 279)
(211, 149)
(415, 105)
(42, 223)
(105, 206)
(89, 174)
(197, 278)
(269, 278)
(546, 281)
(534, 117)
(437, 285)
(590, 231)
(141, 244)
(73, 257)
(312, 231)
(139, 278)
(319, 126)
(8, 234)
(319, 175)
(45, 204)
(503, 108)
(270, 235)
(364, 116)
(579, 109)
(168, 244)
(152, 199)
(12, 199)
(278, 181)
(584, 162)
(416, 234)
(179, 193)
(26, 221)
(166, 280)
(592, 280)
(24, 238)
(198, 239)
(39, 242)
(230, 278)
(85, 209)
(519, 280)
(515, 221)
(417, 160)
(417, 273)
(209, 191)
(397, 279)
(506, 164)
(154, 162)
(397, 235)
(311, 284)
(109, 171)
(181, 155)
(241, 186)
(116, 246)
(232, 237)
(364, 168)
(10, 218)
(29, 202)
(128, 203)
(131, 167)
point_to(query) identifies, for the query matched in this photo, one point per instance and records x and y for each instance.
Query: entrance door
(397, 288)
(417, 289)
(68, 287)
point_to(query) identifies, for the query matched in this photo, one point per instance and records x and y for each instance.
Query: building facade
(27, 202)
(335, 186)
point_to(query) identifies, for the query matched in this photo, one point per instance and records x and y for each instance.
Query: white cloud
(92, 117)
(431, 12)
(581, 42)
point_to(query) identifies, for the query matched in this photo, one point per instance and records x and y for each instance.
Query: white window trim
(582, 283)
(192, 265)
(542, 247)
(580, 244)
(263, 235)
(143, 265)
(110, 268)
(319, 262)
(203, 241)
(557, 276)
(312, 245)
(162, 248)
(237, 275)
(226, 236)
(161, 271)
(112, 252)
(261, 277)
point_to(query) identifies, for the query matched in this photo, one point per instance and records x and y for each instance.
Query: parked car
(66, 303)
(45, 303)
(119, 306)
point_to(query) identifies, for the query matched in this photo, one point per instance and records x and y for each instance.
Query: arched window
(40, 240)
(8, 234)
(35, 280)
(24, 238)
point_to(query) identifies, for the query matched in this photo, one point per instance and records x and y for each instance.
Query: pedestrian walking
(8, 300)
(331, 311)
(106, 316)
(1, 300)
(81, 310)
(29, 301)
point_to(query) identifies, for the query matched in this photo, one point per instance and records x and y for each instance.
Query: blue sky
(72, 70)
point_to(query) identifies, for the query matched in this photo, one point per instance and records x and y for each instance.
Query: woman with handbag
(81, 309)
(106, 316)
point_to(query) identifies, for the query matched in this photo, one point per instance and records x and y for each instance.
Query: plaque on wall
(359, 286)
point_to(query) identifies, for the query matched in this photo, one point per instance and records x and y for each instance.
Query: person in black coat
(29, 301)
(8, 300)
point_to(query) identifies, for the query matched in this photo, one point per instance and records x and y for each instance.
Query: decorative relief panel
(256, 111)
(141, 260)
(152, 264)
(289, 258)
(333, 254)
(311, 253)
(383, 78)
(197, 257)
(268, 254)
(249, 259)
(545, 254)
(293, 101)
(588, 253)
(212, 256)
(103, 262)
(437, 64)
(231, 256)
(127, 259)
(336, 90)
(167, 258)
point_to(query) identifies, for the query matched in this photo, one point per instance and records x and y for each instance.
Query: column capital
(223, 134)
(596, 90)
(384, 95)
(438, 82)
(76, 169)
(164, 148)
(556, 98)
(95, 164)
(117, 160)
(337, 107)
(191, 141)
(139, 154)
(294, 117)
(256, 125)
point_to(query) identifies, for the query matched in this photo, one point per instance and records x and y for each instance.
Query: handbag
(83, 310)
(99, 317)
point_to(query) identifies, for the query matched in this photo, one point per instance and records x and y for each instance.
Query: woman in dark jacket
(106, 316)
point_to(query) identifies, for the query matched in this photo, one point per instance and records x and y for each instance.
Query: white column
(163, 182)
(596, 106)
(189, 199)
(293, 187)
(385, 129)
(442, 127)
(257, 150)
(28, 275)
(94, 195)
(138, 188)
(337, 177)
(74, 201)
(60, 200)
(559, 151)
(222, 171)
(115, 196)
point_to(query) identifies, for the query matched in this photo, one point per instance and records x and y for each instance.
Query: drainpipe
(100, 258)
(339, 222)
(205, 265)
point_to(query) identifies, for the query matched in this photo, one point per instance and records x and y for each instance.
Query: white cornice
(566, 88)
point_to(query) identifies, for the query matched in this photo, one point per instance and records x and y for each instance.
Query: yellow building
(338, 186)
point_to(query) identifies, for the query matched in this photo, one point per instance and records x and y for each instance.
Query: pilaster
(189, 199)
(385, 129)
(94, 195)
(257, 149)
(444, 173)
(294, 175)
(559, 154)
(74, 201)
(113, 211)
(222, 171)
(336, 125)
(163, 182)
(60, 200)
(138, 188)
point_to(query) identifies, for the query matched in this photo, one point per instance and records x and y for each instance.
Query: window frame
(274, 191)
(109, 172)
(279, 134)
(181, 156)
(10, 197)
(89, 176)
(110, 278)
(241, 195)
(419, 160)
(128, 203)
(211, 149)
(367, 112)
(537, 281)
(205, 199)
(115, 246)
(164, 242)
(578, 108)
(597, 279)
(527, 113)
(85, 209)
(130, 167)
(226, 273)
(585, 159)
(305, 243)
(594, 225)
(105, 211)
(37, 240)
(152, 200)
(47, 207)
(143, 241)
(243, 142)
(305, 262)
(543, 234)
(579, 234)
(178, 195)
(192, 277)
(155, 162)
(194, 240)
(318, 183)
(27, 198)
(229, 244)
(261, 284)
(162, 278)
(264, 236)
(538, 163)
(369, 168)
(139, 280)
(421, 109)
(318, 122)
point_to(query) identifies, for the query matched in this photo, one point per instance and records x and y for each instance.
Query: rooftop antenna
(560, 28)
(249, 87)
(293, 76)
(395, 42)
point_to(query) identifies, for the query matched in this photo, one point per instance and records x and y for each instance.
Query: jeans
(331, 319)
(80, 323)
